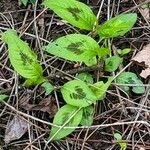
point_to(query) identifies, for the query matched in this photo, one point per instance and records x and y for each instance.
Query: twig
(74, 71)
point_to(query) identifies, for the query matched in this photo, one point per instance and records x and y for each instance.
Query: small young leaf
(124, 51)
(24, 2)
(77, 93)
(2, 97)
(48, 87)
(75, 47)
(100, 88)
(122, 144)
(76, 13)
(117, 26)
(130, 78)
(117, 136)
(112, 63)
(86, 77)
(87, 117)
(62, 116)
(22, 58)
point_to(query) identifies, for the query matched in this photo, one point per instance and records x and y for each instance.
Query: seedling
(121, 143)
(81, 93)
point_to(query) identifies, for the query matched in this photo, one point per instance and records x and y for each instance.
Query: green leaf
(124, 51)
(86, 77)
(33, 1)
(144, 6)
(112, 63)
(2, 97)
(104, 52)
(77, 93)
(100, 88)
(74, 12)
(24, 2)
(22, 58)
(34, 81)
(87, 117)
(65, 114)
(48, 87)
(130, 78)
(117, 136)
(117, 26)
(75, 47)
(122, 144)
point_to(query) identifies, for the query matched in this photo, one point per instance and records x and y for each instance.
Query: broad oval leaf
(117, 26)
(77, 93)
(75, 47)
(74, 12)
(87, 117)
(65, 113)
(22, 58)
(112, 63)
(130, 78)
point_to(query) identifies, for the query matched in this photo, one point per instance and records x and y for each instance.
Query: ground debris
(144, 57)
(145, 11)
(15, 129)
(46, 105)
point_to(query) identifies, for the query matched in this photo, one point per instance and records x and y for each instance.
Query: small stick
(74, 71)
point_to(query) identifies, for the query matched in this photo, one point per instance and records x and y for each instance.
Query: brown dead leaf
(15, 129)
(144, 57)
(24, 102)
(46, 105)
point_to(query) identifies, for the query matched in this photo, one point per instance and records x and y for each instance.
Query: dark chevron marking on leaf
(25, 58)
(79, 93)
(74, 12)
(75, 47)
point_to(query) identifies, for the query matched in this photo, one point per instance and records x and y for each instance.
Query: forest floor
(125, 113)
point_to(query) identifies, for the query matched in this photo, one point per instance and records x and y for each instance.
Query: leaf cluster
(81, 93)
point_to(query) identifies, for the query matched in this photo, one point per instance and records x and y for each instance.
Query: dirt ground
(127, 114)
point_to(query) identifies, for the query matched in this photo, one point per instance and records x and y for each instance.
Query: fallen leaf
(144, 57)
(46, 105)
(15, 129)
(24, 102)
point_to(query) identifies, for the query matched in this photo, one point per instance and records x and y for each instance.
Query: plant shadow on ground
(117, 106)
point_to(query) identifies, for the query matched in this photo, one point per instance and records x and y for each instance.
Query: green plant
(25, 2)
(23, 59)
(130, 78)
(81, 93)
(2, 97)
(121, 143)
